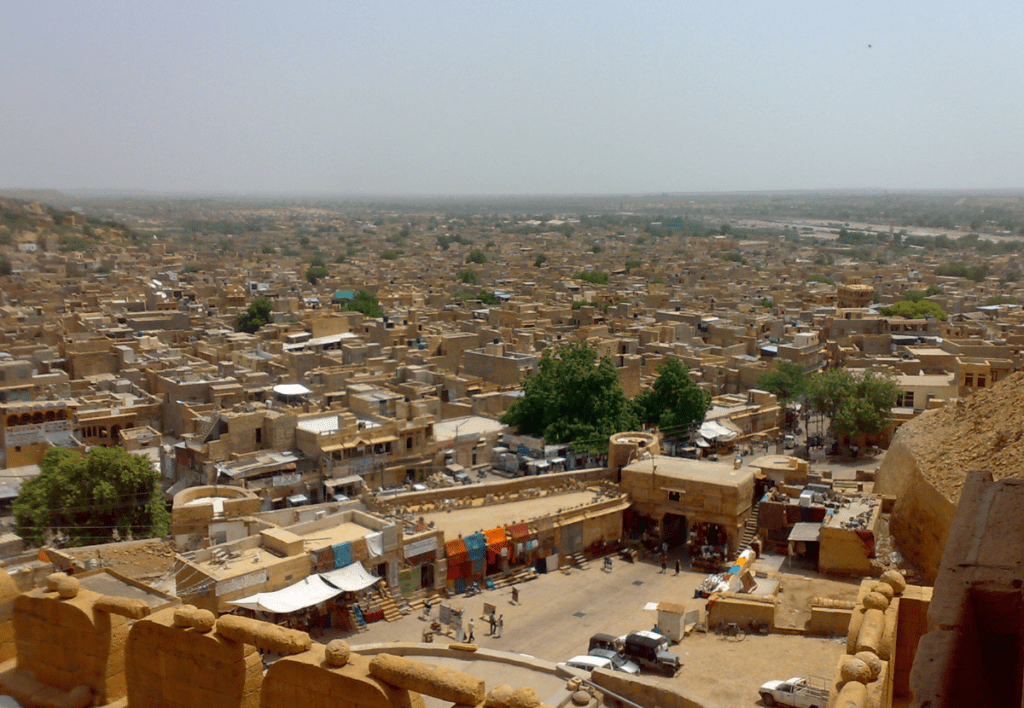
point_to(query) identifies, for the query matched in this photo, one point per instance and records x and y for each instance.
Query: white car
(797, 692)
(589, 663)
(619, 663)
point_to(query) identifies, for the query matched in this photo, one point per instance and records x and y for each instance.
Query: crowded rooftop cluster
(326, 416)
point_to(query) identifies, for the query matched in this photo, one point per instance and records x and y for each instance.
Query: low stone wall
(647, 692)
(829, 621)
(742, 609)
(70, 645)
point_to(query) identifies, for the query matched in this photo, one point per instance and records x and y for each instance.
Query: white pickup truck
(797, 692)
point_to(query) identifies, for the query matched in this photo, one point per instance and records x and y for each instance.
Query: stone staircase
(388, 605)
(209, 424)
(750, 529)
(520, 576)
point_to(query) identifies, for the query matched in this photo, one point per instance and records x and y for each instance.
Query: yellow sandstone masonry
(310, 680)
(446, 684)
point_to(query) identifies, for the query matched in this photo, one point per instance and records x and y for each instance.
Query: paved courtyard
(557, 613)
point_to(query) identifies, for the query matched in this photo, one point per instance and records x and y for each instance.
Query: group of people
(497, 627)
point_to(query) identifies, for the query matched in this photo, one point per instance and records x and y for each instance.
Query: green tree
(366, 302)
(597, 277)
(787, 382)
(94, 498)
(466, 275)
(540, 260)
(316, 273)
(675, 402)
(914, 310)
(574, 397)
(5, 266)
(853, 403)
(318, 261)
(389, 254)
(476, 256)
(258, 314)
(868, 408)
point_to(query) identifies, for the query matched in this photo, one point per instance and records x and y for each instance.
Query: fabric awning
(496, 538)
(305, 593)
(351, 578)
(711, 430)
(476, 546)
(519, 532)
(456, 551)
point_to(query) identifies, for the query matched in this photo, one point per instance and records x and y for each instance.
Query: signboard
(488, 609)
(418, 548)
(35, 433)
(241, 582)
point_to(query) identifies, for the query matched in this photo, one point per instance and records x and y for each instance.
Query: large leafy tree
(574, 397)
(868, 409)
(787, 382)
(258, 314)
(853, 403)
(675, 402)
(85, 499)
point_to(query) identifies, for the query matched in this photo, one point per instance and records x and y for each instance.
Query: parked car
(604, 641)
(619, 662)
(650, 651)
(798, 692)
(589, 663)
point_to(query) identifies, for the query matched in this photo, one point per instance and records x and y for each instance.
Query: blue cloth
(478, 567)
(342, 555)
(476, 546)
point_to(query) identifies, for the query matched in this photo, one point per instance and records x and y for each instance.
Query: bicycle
(732, 632)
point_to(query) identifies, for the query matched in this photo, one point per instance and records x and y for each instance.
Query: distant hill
(74, 232)
(49, 196)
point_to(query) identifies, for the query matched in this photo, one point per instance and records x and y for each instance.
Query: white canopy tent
(351, 578)
(307, 592)
(712, 430)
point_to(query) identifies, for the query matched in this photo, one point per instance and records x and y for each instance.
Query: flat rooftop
(687, 470)
(345, 532)
(472, 519)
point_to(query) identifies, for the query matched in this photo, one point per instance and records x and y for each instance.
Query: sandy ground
(558, 613)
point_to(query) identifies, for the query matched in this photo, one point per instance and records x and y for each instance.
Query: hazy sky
(511, 97)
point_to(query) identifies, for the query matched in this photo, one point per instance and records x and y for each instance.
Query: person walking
(470, 638)
(501, 625)
(515, 595)
(677, 566)
(664, 563)
(494, 623)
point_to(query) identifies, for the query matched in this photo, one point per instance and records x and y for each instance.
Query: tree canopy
(787, 382)
(914, 310)
(854, 403)
(86, 499)
(258, 314)
(574, 397)
(366, 302)
(675, 402)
